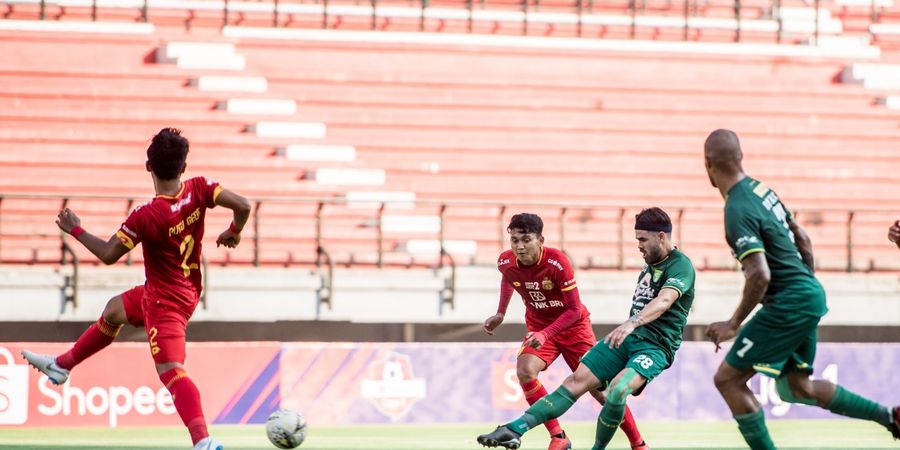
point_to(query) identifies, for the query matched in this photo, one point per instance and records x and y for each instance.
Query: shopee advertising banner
(346, 383)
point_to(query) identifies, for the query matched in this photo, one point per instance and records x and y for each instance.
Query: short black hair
(655, 217)
(167, 153)
(527, 222)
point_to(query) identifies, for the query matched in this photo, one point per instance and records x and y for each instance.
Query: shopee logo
(114, 401)
(13, 390)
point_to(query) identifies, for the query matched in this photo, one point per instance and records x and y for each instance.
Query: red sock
(630, 428)
(100, 334)
(186, 398)
(533, 391)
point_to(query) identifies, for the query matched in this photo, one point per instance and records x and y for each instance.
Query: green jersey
(757, 221)
(675, 272)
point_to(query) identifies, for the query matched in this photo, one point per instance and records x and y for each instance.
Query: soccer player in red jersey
(171, 228)
(557, 322)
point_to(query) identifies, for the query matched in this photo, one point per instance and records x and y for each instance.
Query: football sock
(186, 398)
(630, 428)
(548, 407)
(533, 391)
(100, 334)
(608, 422)
(753, 428)
(849, 404)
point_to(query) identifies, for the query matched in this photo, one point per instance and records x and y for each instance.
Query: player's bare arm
(804, 244)
(651, 312)
(756, 281)
(107, 251)
(241, 207)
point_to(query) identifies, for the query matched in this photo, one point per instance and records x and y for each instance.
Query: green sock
(753, 428)
(548, 407)
(849, 404)
(610, 417)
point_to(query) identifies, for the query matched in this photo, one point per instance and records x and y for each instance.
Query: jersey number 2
(187, 247)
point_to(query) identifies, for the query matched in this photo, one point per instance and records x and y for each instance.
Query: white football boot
(209, 443)
(47, 365)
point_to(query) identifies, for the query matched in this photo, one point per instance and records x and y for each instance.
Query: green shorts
(645, 357)
(774, 342)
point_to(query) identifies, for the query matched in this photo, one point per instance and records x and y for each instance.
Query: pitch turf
(788, 434)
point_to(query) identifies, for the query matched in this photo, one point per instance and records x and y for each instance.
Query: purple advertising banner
(347, 383)
(445, 383)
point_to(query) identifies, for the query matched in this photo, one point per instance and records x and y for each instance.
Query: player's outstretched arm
(651, 312)
(491, 323)
(107, 251)
(240, 206)
(756, 282)
(804, 244)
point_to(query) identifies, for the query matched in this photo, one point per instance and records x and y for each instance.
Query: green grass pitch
(788, 434)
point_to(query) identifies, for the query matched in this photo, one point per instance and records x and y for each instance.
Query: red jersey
(171, 228)
(548, 289)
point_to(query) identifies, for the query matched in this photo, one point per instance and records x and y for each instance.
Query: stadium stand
(620, 122)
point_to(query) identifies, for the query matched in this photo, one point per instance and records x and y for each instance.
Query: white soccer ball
(286, 428)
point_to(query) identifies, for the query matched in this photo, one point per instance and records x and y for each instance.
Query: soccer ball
(286, 428)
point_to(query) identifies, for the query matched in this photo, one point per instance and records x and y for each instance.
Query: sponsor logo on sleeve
(554, 263)
(129, 231)
(745, 241)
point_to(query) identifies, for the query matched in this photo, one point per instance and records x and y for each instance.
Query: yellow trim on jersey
(217, 192)
(172, 197)
(125, 240)
(765, 368)
(567, 289)
(674, 289)
(751, 251)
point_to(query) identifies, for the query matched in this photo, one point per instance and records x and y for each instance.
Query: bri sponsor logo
(110, 401)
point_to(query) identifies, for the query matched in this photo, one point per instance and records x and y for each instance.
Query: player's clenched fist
(66, 220)
(894, 233)
(720, 332)
(536, 339)
(492, 323)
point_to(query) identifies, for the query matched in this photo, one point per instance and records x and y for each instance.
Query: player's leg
(613, 412)
(732, 385)
(572, 350)
(763, 345)
(797, 387)
(166, 335)
(645, 361)
(528, 365)
(97, 337)
(549, 407)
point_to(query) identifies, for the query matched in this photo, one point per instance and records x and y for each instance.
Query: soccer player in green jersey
(780, 339)
(635, 352)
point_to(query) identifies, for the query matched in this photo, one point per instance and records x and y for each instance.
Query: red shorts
(165, 325)
(572, 344)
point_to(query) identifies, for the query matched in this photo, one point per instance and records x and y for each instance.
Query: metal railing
(526, 16)
(328, 232)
